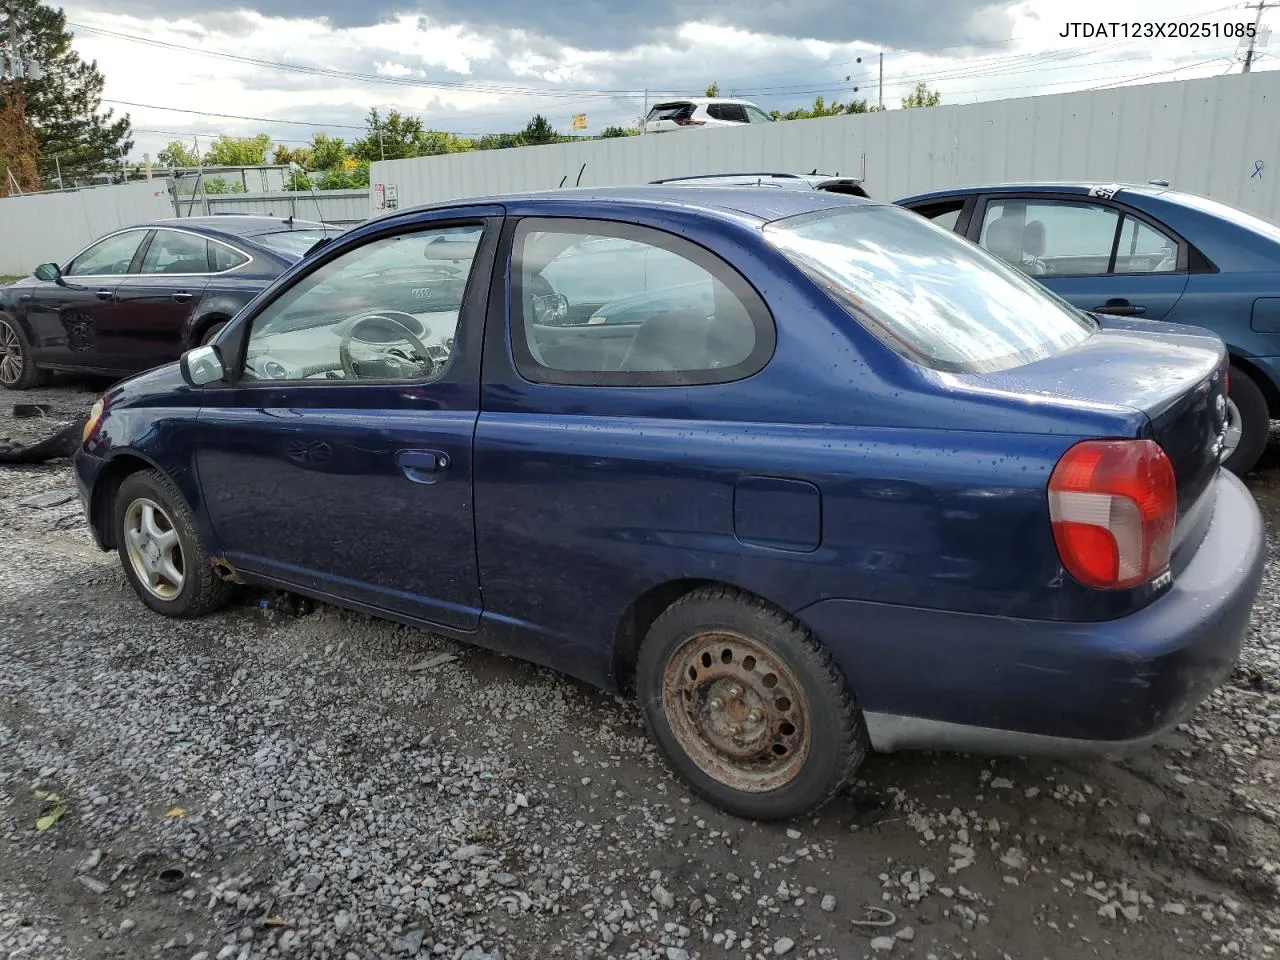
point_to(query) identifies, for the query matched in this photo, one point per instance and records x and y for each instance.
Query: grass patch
(8, 278)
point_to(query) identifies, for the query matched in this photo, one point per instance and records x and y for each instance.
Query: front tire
(162, 556)
(18, 370)
(212, 332)
(747, 706)
(1254, 426)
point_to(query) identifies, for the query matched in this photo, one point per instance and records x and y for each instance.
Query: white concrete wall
(50, 227)
(1204, 136)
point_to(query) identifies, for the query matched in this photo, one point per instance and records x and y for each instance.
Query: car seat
(1033, 248)
(1004, 239)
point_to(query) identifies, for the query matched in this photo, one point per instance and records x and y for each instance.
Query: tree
(609, 132)
(176, 154)
(821, 108)
(539, 131)
(64, 106)
(713, 90)
(341, 179)
(217, 185)
(327, 152)
(19, 149)
(500, 141)
(238, 151)
(393, 138)
(922, 96)
(302, 156)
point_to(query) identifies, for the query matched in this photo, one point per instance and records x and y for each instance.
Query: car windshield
(926, 292)
(292, 243)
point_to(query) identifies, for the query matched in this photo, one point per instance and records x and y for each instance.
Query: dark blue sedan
(138, 297)
(877, 490)
(1144, 251)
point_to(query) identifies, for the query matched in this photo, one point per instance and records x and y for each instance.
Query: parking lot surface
(287, 781)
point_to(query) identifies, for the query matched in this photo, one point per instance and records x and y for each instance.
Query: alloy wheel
(1235, 429)
(155, 552)
(11, 359)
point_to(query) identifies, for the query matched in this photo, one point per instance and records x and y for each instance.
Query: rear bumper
(934, 679)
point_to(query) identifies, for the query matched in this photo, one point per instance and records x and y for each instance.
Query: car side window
(945, 214)
(756, 115)
(223, 258)
(173, 251)
(386, 310)
(604, 303)
(1144, 249)
(733, 112)
(1048, 237)
(108, 257)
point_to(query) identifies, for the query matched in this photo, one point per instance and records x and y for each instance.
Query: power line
(234, 116)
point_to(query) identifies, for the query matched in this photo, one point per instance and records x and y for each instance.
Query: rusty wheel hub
(737, 711)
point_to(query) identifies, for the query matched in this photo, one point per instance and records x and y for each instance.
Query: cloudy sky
(295, 67)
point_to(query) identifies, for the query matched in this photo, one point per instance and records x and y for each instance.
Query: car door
(1099, 254)
(577, 448)
(157, 300)
(71, 321)
(338, 457)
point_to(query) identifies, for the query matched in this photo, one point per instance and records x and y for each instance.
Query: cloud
(622, 24)
(479, 69)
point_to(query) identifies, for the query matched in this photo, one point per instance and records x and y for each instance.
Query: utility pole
(880, 95)
(1248, 57)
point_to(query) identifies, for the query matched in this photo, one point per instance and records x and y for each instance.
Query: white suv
(691, 113)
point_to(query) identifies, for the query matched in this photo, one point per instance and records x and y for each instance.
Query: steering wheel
(392, 321)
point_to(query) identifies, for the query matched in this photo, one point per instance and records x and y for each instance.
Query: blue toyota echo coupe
(1144, 251)
(850, 483)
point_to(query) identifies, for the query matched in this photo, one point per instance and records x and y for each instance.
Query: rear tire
(747, 706)
(17, 368)
(1255, 422)
(161, 553)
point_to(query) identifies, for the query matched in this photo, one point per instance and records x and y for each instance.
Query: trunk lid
(1176, 376)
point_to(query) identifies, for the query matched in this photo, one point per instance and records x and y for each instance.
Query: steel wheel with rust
(160, 550)
(747, 706)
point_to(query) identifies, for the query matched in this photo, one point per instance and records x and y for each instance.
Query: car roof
(1083, 188)
(727, 203)
(702, 101)
(238, 225)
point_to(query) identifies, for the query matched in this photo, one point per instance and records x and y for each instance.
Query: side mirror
(551, 311)
(49, 273)
(201, 366)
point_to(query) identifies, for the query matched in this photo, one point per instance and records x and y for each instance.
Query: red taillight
(1113, 504)
(689, 122)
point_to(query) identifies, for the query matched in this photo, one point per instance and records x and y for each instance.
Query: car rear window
(927, 293)
(670, 111)
(291, 243)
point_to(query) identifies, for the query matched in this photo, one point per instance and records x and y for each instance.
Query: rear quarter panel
(924, 490)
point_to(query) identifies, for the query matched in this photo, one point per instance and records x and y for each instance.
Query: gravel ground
(281, 781)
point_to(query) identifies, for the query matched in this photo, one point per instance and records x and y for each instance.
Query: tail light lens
(689, 122)
(1114, 504)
